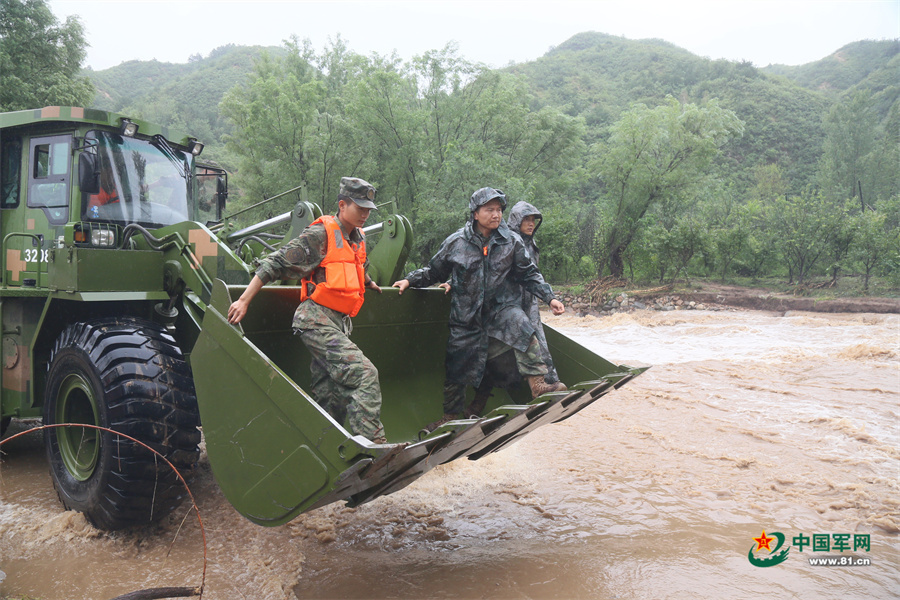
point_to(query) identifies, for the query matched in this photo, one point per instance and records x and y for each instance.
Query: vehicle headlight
(103, 237)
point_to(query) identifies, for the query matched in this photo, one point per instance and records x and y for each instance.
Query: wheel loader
(118, 268)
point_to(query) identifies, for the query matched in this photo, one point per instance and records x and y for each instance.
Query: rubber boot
(478, 403)
(445, 419)
(539, 386)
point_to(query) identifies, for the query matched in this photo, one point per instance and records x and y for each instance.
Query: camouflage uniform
(344, 382)
(486, 316)
(521, 210)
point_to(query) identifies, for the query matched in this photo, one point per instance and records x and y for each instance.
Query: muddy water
(747, 422)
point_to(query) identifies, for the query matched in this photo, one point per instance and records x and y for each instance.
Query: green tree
(884, 164)
(275, 116)
(441, 127)
(728, 229)
(805, 225)
(729, 243)
(40, 59)
(427, 133)
(851, 136)
(840, 242)
(768, 183)
(872, 243)
(751, 234)
(653, 155)
(382, 108)
(559, 254)
(672, 249)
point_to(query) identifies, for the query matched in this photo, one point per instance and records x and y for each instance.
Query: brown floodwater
(747, 422)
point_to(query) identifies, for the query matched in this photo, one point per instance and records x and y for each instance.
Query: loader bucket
(275, 453)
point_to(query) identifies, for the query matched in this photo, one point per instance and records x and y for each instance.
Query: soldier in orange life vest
(108, 192)
(329, 258)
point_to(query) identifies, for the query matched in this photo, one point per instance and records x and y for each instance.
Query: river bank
(604, 300)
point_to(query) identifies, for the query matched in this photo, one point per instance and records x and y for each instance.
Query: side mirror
(89, 173)
(221, 193)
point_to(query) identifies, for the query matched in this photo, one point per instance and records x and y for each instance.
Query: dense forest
(647, 161)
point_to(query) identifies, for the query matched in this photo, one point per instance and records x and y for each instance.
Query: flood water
(747, 422)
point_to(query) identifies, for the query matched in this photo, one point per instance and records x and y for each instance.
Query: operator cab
(127, 180)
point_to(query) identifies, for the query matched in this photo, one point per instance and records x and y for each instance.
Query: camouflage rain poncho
(486, 278)
(521, 210)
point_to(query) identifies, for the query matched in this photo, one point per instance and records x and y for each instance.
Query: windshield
(141, 181)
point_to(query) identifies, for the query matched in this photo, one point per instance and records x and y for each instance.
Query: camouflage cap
(485, 195)
(359, 190)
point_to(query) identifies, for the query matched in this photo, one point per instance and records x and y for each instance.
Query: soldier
(329, 259)
(487, 266)
(525, 219)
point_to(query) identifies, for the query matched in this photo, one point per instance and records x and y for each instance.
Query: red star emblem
(763, 542)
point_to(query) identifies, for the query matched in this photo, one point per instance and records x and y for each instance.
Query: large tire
(127, 375)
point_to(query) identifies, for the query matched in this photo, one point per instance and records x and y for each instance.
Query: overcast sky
(788, 32)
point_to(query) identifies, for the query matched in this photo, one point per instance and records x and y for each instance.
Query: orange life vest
(345, 277)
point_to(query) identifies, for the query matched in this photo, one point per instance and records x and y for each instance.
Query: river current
(747, 422)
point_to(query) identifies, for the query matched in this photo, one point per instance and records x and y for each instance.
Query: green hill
(592, 75)
(597, 76)
(183, 95)
(432, 127)
(869, 65)
(122, 85)
(849, 67)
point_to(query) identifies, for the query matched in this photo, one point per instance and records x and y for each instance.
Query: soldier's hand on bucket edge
(236, 311)
(557, 307)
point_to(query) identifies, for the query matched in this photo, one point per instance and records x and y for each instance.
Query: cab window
(10, 162)
(48, 181)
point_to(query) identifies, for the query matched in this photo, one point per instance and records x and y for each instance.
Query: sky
(494, 32)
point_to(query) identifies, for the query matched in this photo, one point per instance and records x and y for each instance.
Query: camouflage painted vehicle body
(113, 315)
